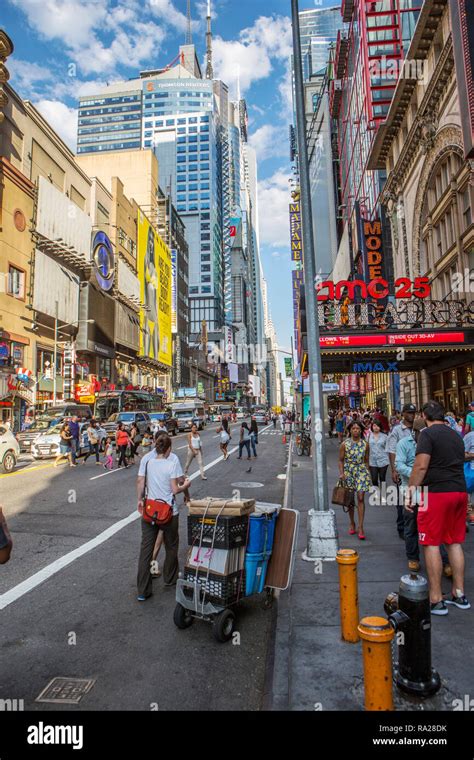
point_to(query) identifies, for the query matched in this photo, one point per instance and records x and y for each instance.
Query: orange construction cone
(283, 440)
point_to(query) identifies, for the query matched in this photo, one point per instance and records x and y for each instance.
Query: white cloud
(61, 118)
(273, 200)
(249, 58)
(269, 141)
(26, 76)
(166, 10)
(86, 26)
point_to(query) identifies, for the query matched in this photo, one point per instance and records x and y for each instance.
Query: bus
(111, 402)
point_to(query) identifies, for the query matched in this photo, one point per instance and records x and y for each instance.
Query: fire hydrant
(409, 614)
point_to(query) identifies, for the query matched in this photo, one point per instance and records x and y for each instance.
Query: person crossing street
(194, 451)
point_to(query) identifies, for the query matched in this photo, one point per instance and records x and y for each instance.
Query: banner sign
(391, 339)
(297, 279)
(174, 291)
(295, 232)
(288, 367)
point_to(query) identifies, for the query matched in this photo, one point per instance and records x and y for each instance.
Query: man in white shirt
(161, 476)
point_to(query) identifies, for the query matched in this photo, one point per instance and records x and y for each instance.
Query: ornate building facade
(429, 196)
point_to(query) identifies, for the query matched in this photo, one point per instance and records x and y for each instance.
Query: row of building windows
(102, 138)
(112, 109)
(178, 95)
(109, 146)
(115, 99)
(192, 187)
(108, 128)
(108, 119)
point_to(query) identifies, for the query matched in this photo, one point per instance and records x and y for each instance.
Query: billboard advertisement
(154, 274)
(174, 291)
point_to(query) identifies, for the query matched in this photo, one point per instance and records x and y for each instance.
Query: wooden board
(281, 560)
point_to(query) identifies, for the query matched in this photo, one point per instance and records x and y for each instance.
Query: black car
(170, 421)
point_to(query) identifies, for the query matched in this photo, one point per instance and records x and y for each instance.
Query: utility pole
(55, 353)
(322, 530)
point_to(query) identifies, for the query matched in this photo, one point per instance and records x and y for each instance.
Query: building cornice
(16, 176)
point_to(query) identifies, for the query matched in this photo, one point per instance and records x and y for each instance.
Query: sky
(68, 48)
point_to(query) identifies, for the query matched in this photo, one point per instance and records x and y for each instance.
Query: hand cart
(198, 597)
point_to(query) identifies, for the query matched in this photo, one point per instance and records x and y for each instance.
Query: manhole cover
(248, 484)
(66, 691)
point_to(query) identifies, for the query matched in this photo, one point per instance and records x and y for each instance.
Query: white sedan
(9, 449)
(47, 444)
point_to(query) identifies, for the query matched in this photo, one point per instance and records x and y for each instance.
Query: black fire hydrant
(409, 614)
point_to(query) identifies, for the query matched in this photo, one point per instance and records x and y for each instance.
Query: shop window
(16, 282)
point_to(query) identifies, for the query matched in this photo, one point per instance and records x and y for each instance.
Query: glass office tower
(318, 30)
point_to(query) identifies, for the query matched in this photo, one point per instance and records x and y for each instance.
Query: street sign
(330, 387)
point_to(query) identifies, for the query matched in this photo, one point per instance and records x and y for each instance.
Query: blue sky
(66, 48)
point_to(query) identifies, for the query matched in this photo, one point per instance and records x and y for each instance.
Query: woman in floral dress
(354, 468)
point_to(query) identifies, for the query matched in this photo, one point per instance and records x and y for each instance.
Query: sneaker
(459, 601)
(413, 565)
(438, 608)
(143, 598)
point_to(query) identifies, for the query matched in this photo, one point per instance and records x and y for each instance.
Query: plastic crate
(220, 589)
(261, 533)
(231, 532)
(255, 572)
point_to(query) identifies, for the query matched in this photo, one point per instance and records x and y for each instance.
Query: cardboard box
(213, 506)
(220, 561)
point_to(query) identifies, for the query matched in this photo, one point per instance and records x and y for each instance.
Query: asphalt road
(68, 597)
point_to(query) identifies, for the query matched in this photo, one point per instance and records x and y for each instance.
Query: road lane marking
(27, 469)
(47, 572)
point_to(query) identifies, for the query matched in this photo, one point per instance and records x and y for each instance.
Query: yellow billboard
(154, 274)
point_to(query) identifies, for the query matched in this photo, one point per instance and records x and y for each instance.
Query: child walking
(109, 455)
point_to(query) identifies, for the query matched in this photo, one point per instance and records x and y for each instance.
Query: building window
(466, 209)
(105, 368)
(16, 282)
(193, 187)
(205, 267)
(205, 247)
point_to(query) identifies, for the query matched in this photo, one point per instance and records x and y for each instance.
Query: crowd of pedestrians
(430, 456)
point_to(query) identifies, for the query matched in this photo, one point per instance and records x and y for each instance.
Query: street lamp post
(322, 530)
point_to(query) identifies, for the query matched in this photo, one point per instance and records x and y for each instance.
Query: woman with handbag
(157, 486)
(354, 470)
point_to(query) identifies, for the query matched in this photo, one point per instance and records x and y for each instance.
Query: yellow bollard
(347, 560)
(377, 634)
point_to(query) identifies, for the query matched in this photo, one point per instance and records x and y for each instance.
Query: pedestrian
(274, 420)
(93, 441)
(254, 437)
(225, 437)
(74, 429)
(282, 421)
(366, 426)
(403, 430)
(469, 426)
(405, 458)
(135, 440)
(340, 425)
(244, 440)
(354, 455)
(109, 454)
(158, 478)
(439, 468)
(378, 459)
(146, 443)
(65, 445)
(122, 440)
(194, 451)
(469, 473)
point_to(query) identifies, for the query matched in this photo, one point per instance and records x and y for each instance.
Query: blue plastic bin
(255, 572)
(261, 533)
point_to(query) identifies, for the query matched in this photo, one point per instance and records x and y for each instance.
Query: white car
(47, 444)
(9, 450)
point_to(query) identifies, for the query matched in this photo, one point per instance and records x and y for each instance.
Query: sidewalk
(313, 668)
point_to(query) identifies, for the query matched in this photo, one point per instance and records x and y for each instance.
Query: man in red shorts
(439, 469)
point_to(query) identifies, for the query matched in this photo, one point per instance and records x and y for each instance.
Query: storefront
(453, 387)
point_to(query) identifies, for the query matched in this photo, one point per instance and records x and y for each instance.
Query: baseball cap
(471, 403)
(409, 408)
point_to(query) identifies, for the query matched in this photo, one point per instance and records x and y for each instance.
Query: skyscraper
(318, 30)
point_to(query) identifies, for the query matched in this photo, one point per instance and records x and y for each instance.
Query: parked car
(142, 420)
(47, 444)
(260, 417)
(53, 416)
(170, 421)
(9, 450)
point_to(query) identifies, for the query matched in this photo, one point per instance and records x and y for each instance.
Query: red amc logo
(377, 288)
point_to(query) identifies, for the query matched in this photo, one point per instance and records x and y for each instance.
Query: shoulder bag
(155, 511)
(342, 495)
